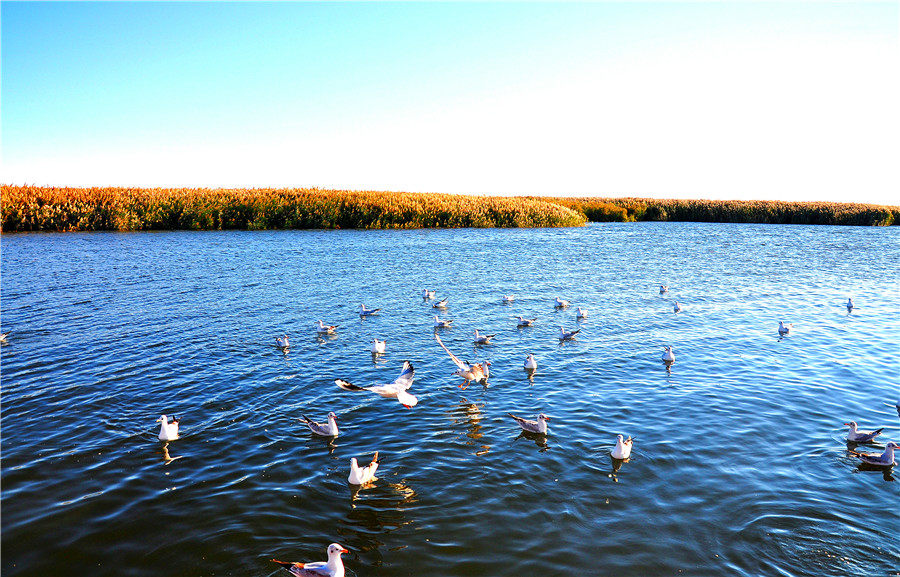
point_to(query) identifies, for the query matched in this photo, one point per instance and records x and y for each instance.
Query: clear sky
(774, 100)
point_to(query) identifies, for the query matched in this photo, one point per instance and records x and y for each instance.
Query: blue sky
(795, 101)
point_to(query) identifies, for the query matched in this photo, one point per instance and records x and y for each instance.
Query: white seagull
(580, 313)
(509, 298)
(441, 304)
(530, 362)
(364, 312)
(523, 322)
(539, 426)
(324, 329)
(482, 339)
(441, 324)
(669, 355)
(427, 294)
(565, 335)
(849, 305)
(663, 289)
(857, 436)
(327, 429)
(466, 371)
(3, 337)
(561, 303)
(283, 342)
(784, 329)
(167, 431)
(677, 307)
(334, 567)
(378, 347)
(396, 390)
(622, 450)
(362, 475)
(885, 459)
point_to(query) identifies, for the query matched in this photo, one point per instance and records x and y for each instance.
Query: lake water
(739, 466)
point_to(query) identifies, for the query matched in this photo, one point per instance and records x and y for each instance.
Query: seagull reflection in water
(469, 414)
(167, 457)
(539, 439)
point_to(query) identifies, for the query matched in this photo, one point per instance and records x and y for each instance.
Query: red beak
(344, 551)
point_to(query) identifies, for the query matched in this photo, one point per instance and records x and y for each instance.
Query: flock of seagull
(479, 372)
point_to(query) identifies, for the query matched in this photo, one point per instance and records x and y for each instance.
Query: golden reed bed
(29, 208)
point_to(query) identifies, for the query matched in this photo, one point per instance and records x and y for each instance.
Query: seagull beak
(344, 551)
(848, 424)
(407, 406)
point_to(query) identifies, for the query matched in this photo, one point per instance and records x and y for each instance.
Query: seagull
(849, 305)
(523, 322)
(565, 335)
(784, 329)
(580, 313)
(885, 459)
(561, 304)
(622, 450)
(486, 366)
(362, 475)
(677, 307)
(663, 289)
(378, 346)
(427, 294)
(441, 304)
(396, 390)
(334, 567)
(466, 371)
(282, 342)
(441, 324)
(539, 426)
(167, 431)
(669, 355)
(530, 362)
(856, 436)
(3, 337)
(364, 312)
(509, 298)
(329, 429)
(482, 339)
(324, 329)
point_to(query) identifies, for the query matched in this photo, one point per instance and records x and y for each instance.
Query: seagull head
(162, 419)
(543, 417)
(852, 425)
(336, 549)
(332, 416)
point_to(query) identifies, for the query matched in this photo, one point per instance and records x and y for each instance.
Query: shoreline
(70, 209)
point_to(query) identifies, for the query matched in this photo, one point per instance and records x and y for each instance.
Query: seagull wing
(463, 366)
(866, 437)
(349, 386)
(405, 378)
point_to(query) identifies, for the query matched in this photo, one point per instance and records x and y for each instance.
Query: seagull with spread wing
(396, 390)
(466, 371)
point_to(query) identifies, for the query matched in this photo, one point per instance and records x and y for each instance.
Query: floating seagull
(508, 298)
(441, 304)
(784, 329)
(663, 289)
(396, 390)
(849, 305)
(167, 431)
(486, 367)
(441, 324)
(482, 339)
(466, 371)
(523, 322)
(857, 436)
(561, 304)
(622, 450)
(378, 346)
(324, 329)
(427, 294)
(364, 312)
(334, 567)
(362, 475)
(885, 459)
(282, 342)
(3, 337)
(669, 355)
(565, 335)
(329, 429)
(677, 307)
(539, 426)
(530, 362)
(580, 313)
